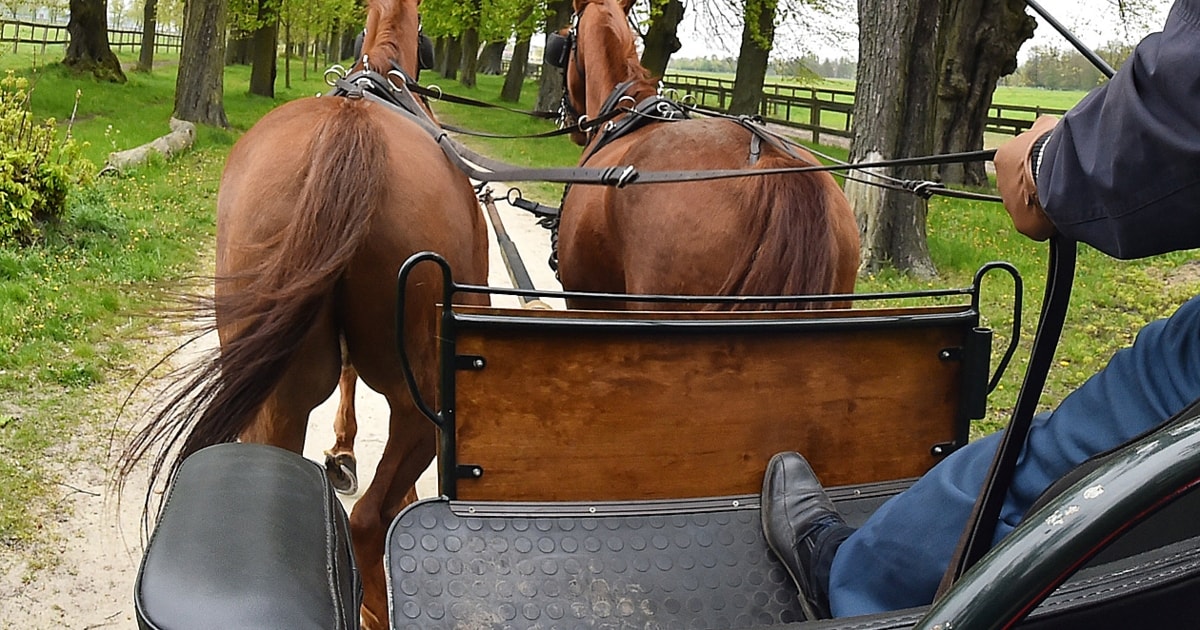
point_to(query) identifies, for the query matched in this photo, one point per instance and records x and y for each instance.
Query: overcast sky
(1094, 21)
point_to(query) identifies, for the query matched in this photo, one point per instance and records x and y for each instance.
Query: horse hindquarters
(755, 235)
(428, 206)
(296, 202)
(807, 240)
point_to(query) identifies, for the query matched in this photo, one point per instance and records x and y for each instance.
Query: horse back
(766, 235)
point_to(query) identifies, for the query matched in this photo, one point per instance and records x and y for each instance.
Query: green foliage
(496, 19)
(1059, 69)
(753, 15)
(37, 169)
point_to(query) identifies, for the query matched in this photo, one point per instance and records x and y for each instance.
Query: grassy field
(76, 309)
(1005, 99)
(1004, 94)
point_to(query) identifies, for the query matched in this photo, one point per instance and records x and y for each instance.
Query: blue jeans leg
(897, 558)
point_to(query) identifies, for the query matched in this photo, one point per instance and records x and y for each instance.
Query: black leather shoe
(796, 516)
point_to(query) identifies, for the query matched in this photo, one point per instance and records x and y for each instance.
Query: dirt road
(96, 542)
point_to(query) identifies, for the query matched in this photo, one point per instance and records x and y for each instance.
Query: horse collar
(654, 109)
(363, 82)
(615, 97)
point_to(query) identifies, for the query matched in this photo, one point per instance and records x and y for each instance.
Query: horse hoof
(342, 471)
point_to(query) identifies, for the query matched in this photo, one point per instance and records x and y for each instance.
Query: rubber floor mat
(663, 564)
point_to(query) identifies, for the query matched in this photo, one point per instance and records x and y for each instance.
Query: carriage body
(601, 469)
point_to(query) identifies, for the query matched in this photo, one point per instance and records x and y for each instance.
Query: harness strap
(652, 109)
(760, 133)
(438, 95)
(369, 82)
(538, 210)
(586, 126)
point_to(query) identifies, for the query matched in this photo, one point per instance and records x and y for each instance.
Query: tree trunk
(661, 39)
(893, 118)
(304, 58)
(470, 56)
(200, 85)
(349, 38)
(266, 42)
(149, 29)
(287, 55)
(978, 42)
(88, 49)
(491, 60)
(758, 36)
(453, 57)
(550, 89)
(238, 50)
(515, 79)
(441, 52)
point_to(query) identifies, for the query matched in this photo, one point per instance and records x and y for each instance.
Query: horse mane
(388, 26)
(622, 57)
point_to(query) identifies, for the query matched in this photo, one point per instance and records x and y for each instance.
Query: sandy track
(97, 542)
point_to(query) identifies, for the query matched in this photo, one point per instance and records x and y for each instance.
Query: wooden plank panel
(618, 415)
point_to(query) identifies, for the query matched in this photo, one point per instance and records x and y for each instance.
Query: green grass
(1037, 97)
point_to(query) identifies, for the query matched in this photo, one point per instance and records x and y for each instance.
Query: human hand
(1017, 184)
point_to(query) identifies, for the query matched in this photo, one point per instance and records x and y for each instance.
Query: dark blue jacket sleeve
(1121, 171)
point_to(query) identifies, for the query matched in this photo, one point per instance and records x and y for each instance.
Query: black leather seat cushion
(250, 536)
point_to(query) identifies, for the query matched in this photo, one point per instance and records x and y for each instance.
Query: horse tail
(269, 308)
(790, 249)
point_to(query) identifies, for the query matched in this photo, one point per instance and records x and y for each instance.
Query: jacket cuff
(1037, 151)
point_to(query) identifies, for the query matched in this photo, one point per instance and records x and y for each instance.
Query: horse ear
(626, 5)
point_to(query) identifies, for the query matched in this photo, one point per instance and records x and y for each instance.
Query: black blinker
(425, 60)
(558, 50)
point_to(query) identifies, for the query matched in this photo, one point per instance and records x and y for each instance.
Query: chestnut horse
(319, 205)
(786, 234)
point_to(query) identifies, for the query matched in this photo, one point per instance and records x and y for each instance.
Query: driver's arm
(1121, 170)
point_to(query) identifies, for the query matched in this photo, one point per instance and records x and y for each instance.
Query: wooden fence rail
(825, 111)
(820, 111)
(44, 34)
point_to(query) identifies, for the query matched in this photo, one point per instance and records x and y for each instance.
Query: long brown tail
(788, 246)
(273, 305)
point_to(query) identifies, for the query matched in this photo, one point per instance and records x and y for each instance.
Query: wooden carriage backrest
(590, 406)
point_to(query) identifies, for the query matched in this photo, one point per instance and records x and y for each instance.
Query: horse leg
(410, 448)
(340, 464)
(308, 380)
